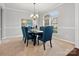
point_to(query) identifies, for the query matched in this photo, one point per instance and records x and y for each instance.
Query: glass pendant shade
(34, 16)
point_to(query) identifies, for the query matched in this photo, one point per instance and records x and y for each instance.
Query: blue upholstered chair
(23, 32)
(26, 35)
(47, 35)
(29, 28)
(40, 34)
(29, 36)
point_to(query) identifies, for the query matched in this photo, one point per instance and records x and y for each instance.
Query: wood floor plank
(16, 47)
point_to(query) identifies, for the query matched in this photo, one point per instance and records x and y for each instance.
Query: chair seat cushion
(40, 38)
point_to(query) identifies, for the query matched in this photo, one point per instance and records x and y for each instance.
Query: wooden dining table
(35, 32)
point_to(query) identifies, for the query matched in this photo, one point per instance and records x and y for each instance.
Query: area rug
(74, 52)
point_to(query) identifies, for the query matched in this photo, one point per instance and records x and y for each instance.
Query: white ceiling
(40, 7)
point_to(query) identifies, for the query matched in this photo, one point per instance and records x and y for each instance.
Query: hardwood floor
(16, 47)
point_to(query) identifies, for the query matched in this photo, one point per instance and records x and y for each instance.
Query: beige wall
(0, 23)
(12, 22)
(66, 22)
(77, 25)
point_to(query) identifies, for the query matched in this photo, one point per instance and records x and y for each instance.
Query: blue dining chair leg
(27, 42)
(34, 43)
(50, 44)
(38, 42)
(44, 45)
(24, 40)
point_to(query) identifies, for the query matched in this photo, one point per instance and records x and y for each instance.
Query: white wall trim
(0, 41)
(2, 5)
(13, 27)
(64, 40)
(8, 37)
(58, 5)
(67, 28)
(7, 8)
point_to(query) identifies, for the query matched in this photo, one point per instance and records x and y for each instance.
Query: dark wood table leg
(34, 42)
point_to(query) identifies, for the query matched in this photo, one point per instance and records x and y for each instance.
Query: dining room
(37, 29)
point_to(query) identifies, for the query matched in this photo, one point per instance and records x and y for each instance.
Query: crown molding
(58, 5)
(6, 8)
(2, 5)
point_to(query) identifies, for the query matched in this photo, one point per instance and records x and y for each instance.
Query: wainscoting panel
(67, 34)
(13, 32)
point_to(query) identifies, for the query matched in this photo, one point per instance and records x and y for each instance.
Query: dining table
(36, 33)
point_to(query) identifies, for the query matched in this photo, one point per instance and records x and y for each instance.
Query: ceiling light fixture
(34, 16)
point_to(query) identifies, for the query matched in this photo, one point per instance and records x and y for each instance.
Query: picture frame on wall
(46, 20)
(26, 22)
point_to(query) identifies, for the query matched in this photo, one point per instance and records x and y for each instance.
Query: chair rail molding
(7, 8)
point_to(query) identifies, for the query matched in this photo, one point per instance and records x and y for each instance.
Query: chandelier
(34, 16)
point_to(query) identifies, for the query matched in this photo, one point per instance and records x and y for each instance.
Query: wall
(40, 20)
(66, 22)
(12, 22)
(0, 23)
(77, 25)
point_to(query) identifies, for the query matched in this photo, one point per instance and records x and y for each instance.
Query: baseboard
(0, 41)
(76, 46)
(64, 40)
(4, 38)
(8, 37)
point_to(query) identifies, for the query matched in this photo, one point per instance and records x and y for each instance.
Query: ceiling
(40, 7)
